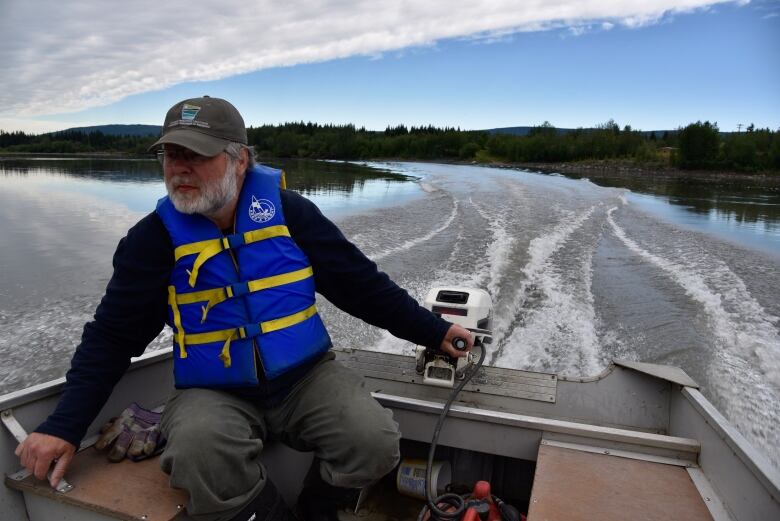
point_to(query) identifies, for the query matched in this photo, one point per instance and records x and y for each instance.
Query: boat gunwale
(541, 424)
(749, 455)
(54, 387)
(709, 417)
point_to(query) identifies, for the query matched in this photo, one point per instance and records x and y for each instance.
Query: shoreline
(79, 155)
(595, 169)
(608, 170)
(615, 170)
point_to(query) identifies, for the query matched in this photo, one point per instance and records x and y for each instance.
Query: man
(231, 261)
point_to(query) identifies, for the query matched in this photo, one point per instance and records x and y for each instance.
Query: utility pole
(739, 128)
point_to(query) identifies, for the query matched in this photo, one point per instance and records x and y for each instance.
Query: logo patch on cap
(188, 112)
(261, 210)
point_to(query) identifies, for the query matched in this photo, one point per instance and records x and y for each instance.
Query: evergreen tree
(699, 144)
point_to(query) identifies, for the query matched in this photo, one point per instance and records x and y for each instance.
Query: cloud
(579, 30)
(59, 57)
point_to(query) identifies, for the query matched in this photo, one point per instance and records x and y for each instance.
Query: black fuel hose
(453, 500)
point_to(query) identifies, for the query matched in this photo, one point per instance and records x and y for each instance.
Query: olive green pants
(215, 438)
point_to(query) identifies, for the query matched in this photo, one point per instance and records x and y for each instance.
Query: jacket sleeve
(130, 315)
(352, 282)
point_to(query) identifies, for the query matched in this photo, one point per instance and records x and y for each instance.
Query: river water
(579, 273)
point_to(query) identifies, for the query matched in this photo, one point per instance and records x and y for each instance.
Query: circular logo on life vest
(261, 210)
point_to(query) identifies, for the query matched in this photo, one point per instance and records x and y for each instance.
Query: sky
(476, 64)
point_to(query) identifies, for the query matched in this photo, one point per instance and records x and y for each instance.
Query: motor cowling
(471, 308)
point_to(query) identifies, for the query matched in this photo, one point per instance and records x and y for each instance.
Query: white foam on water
(756, 335)
(744, 332)
(387, 343)
(498, 251)
(560, 335)
(540, 249)
(557, 332)
(455, 266)
(411, 243)
(428, 188)
(738, 320)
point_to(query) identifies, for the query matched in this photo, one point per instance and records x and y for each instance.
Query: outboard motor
(468, 307)
(472, 309)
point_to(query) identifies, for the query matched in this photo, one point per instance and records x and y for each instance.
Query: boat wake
(744, 366)
(546, 312)
(411, 243)
(580, 277)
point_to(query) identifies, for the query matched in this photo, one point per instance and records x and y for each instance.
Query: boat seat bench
(575, 485)
(569, 484)
(125, 490)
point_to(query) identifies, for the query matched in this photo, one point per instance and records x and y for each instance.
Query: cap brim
(188, 138)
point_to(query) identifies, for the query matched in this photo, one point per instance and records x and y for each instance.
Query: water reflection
(737, 201)
(743, 211)
(302, 175)
(340, 188)
(97, 169)
(331, 176)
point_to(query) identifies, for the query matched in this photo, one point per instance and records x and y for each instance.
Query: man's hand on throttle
(456, 331)
(38, 451)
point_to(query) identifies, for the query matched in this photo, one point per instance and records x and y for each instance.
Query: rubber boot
(268, 505)
(320, 501)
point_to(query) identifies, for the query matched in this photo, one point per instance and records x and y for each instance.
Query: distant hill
(524, 131)
(117, 130)
(154, 130)
(521, 131)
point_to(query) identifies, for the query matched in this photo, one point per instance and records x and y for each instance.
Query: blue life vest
(231, 295)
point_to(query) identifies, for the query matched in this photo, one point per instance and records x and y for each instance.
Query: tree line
(74, 142)
(696, 146)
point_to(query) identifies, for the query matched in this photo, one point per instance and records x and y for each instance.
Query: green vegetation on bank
(74, 142)
(696, 146)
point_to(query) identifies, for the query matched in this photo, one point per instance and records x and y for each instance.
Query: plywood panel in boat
(488, 380)
(126, 490)
(572, 485)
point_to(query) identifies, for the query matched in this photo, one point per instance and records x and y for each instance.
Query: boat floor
(125, 490)
(576, 485)
(568, 485)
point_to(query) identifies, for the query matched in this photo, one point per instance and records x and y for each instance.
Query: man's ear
(244, 158)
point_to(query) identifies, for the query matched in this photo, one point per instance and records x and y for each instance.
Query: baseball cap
(204, 125)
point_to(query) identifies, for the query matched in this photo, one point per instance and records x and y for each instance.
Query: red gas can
(482, 492)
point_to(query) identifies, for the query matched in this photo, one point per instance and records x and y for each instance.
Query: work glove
(135, 434)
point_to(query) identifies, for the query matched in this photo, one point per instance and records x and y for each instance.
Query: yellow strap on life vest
(224, 355)
(266, 327)
(208, 252)
(283, 181)
(280, 280)
(180, 336)
(209, 248)
(214, 296)
(193, 247)
(212, 336)
(204, 338)
(266, 233)
(289, 320)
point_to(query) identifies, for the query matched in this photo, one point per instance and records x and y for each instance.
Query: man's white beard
(211, 197)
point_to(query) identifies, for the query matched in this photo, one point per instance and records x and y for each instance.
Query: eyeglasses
(181, 154)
